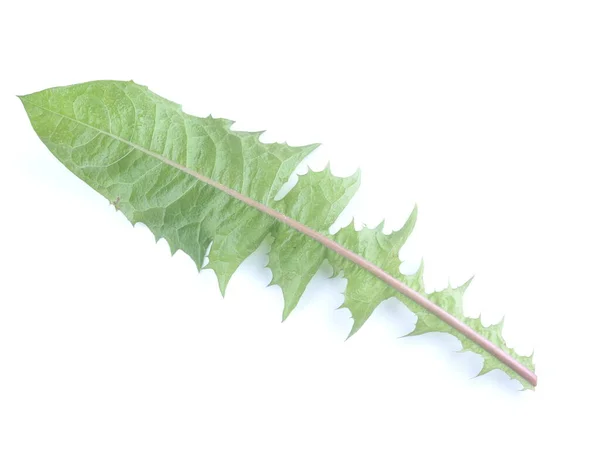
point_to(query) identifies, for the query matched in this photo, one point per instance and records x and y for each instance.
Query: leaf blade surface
(179, 175)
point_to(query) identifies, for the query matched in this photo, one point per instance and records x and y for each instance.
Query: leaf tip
(415, 211)
(286, 313)
(222, 278)
(352, 333)
(357, 175)
(465, 285)
(222, 289)
(308, 149)
(408, 227)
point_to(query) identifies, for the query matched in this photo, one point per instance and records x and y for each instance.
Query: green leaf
(186, 179)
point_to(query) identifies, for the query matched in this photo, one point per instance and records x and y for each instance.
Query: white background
(485, 114)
